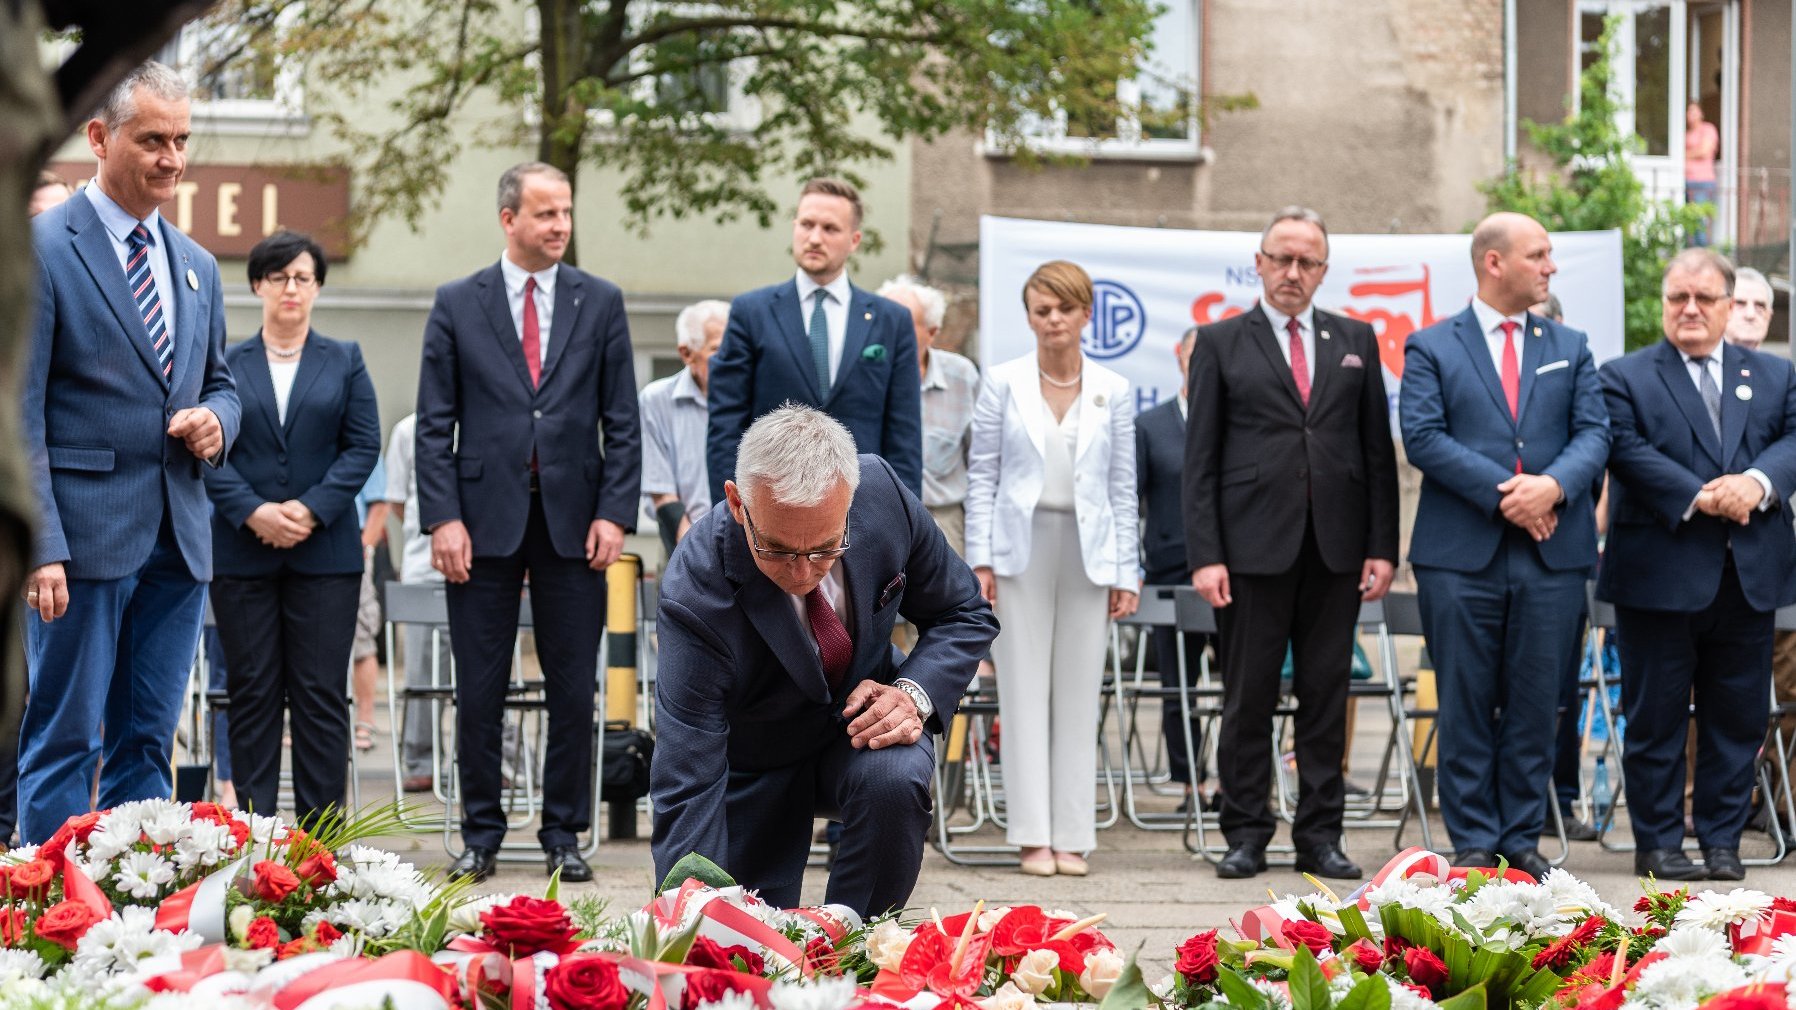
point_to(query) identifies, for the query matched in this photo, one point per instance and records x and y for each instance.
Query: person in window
(1701, 143)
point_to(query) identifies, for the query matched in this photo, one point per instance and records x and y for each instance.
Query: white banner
(1154, 283)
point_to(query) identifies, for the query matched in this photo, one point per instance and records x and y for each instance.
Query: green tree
(635, 86)
(1593, 188)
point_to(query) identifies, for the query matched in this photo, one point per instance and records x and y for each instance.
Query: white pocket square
(1555, 366)
(1352, 361)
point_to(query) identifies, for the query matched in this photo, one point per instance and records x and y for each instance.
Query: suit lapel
(311, 363)
(854, 337)
(1025, 393)
(770, 610)
(1092, 413)
(1676, 376)
(1735, 374)
(94, 247)
(570, 294)
(1259, 330)
(789, 316)
(258, 383)
(1331, 347)
(1471, 335)
(498, 314)
(189, 339)
(1534, 349)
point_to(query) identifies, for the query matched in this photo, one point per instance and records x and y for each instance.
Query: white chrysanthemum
(1531, 909)
(166, 825)
(1693, 941)
(1276, 997)
(816, 994)
(1719, 911)
(265, 831)
(731, 1001)
(1573, 898)
(1405, 998)
(118, 943)
(142, 875)
(1678, 983)
(17, 964)
(206, 844)
(465, 917)
(110, 841)
(1434, 899)
(17, 855)
(368, 873)
(371, 917)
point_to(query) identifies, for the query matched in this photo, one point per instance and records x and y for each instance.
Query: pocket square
(1352, 361)
(891, 591)
(1555, 366)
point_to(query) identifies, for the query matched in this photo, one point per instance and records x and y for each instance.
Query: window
(1160, 101)
(235, 89)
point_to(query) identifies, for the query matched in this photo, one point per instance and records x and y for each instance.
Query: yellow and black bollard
(621, 595)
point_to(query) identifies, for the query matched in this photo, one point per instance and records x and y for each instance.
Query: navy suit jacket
(765, 360)
(474, 377)
(322, 456)
(1458, 431)
(96, 406)
(740, 689)
(1159, 481)
(1664, 450)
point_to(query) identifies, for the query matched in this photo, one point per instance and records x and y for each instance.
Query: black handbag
(624, 776)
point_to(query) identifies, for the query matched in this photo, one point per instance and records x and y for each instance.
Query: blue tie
(148, 299)
(820, 340)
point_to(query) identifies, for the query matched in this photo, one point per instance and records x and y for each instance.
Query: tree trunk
(563, 118)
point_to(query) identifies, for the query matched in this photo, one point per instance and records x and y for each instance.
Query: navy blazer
(322, 456)
(765, 360)
(1159, 481)
(96, 406)
(1458, 431)
(1664, 450)
(740, 688)
(474, 377)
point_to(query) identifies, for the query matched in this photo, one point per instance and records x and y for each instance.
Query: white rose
(989, 919)
(240, 918)
(887, 944)
(1034, 974)
(1008, 997)
(1102, 968)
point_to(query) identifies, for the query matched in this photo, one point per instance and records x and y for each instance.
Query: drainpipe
(1509, 75)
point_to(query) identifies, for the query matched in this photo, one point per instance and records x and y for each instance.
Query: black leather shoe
(1723, 864)
(1668, 864)
(1241, 862)
(1529, 861)
(1480, 858)
(567, 859)
(1577, 830)
(474, 862)
(1328, 861)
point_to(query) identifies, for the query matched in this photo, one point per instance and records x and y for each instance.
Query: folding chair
(1400, 793)
(1157, 610)
(963, 777)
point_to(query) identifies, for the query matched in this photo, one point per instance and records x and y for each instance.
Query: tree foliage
(1593, 187)
(634, 86)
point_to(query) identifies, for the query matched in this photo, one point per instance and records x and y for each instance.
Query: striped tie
(148, 299)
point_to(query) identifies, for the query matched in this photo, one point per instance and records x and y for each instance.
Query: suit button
(536, 414)
(1302, 473)
(1518, 443)
(282, 458)
(283, 478)
(1306, 430)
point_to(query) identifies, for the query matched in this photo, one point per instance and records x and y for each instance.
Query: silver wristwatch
(917, 696)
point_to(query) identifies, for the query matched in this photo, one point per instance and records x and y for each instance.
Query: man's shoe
(1241, 862)
(1668, 864)
(1723, 864)
(1328, 861)
(474, 862)
(567, 859)
(418, 784)
(1577, 830)
(1529, 861)
(1480, 858)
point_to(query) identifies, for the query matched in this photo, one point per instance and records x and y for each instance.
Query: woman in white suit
(1051, 533)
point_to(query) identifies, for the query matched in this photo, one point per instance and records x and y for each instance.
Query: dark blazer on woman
(322, 455)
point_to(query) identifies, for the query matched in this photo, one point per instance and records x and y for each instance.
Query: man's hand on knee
(881, 715)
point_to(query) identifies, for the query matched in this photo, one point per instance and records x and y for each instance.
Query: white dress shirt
(836, 592)
(1306, 326)
(545, 301)
(1490, 322)
(119, 225)
(282, 373)
(1714, 368)
(835, 314)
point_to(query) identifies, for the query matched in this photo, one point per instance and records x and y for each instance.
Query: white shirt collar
(838, 288)
(1714, 355)
(1306, 320)
(514, 276)
(1489, 318)
(932, 379)
(1184, 406)
(117, 221)
(685, 387)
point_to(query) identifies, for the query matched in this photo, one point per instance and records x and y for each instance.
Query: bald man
(1502, 413)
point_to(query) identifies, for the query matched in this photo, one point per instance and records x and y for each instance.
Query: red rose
(31, 880)
(585, 982)
(819, 952)
(66, 922)
(708, 953)
(75, 829)
(1425, 968)
(263, 934)
(1305, 933)
(12, 926)
(710, 986)
(318, 869)
(274, 881)
(1419, 990)
(526, 925)
(1366, 957)
(326, 933)
(1197, 959)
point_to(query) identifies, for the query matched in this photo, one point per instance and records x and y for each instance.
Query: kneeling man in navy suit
(780, 697)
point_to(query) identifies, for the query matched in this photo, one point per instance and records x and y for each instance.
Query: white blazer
(1005, 473)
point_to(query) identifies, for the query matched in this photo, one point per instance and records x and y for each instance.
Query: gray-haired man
(780, 696)
(673, 424)
(950, 388)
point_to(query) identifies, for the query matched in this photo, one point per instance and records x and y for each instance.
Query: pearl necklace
(277, 352)
(1063, 384)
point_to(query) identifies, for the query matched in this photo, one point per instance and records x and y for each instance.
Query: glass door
(1650, 79)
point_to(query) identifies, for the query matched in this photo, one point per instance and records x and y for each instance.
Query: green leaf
(698, 868)
(1130, 991)
(1309, 990)
(1353, 922)
(1470, 999)
(1241, 993)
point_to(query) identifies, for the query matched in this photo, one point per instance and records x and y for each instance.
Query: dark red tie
(833, 644)
(533, 338)
(1512, 377)
(1300, 365)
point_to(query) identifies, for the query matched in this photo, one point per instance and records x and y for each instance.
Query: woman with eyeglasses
(287, 544)
(1051, 534)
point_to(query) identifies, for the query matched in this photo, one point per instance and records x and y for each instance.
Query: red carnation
(1307, 933)
(585, 982)
(710, 986)
(1197, 959)
(1366, 957)
(1783, 905)
(1426, 969)
(1643, 904)
(262, 934)
(66, 922)
(525, 925)
(326, 933)
(274, 881)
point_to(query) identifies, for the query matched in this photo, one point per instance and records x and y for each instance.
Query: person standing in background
(674, 417)
(950, 386)
(1702, 143)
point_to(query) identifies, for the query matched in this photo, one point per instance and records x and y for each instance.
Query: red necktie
(1512, 377)
(833, 644)
(1300, 365)
(533, 346)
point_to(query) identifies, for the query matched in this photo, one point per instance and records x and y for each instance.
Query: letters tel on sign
(227, 209)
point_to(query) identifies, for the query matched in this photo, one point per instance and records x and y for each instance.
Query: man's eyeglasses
(791, 557)
(1283, 263)
(280, 280)
(1703, 301)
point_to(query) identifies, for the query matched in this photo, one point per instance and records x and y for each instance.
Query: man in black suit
(1159, 481)
(1290, 521)
(530, 358)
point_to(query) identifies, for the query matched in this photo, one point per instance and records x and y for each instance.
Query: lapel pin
(868, 315)
(1324, 334)
(576, 301)
(193, 280)
(1098, 400)
(1745, 373)
(1743, 391)
(1537, 331)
